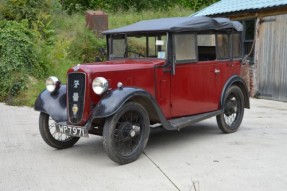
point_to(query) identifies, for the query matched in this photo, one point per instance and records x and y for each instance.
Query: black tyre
(230, 120)
(126, 133)
(51, 137)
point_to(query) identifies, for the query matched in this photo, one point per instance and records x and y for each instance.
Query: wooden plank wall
(271, 58)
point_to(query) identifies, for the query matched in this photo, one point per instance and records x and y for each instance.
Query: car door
(193, 86)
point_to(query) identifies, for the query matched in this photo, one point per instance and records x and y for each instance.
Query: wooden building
(265, 41)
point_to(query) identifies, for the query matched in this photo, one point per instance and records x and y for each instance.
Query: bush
(37, 13)
(83, 45)
(18, 60)
(18, 10)
(86, 47)
(72, 6)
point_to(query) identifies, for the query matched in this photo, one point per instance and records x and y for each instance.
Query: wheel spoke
(57, 136)
(128, 132)
(231, 111)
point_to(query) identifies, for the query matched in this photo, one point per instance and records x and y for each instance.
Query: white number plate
(71, 130)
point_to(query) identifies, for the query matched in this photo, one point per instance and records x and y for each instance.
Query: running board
(178, 123)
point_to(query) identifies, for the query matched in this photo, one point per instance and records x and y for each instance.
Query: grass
(125, 18)
(74, 44)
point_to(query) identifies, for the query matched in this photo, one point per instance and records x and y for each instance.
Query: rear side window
(185, 47)
(222, 46)
(236, 46)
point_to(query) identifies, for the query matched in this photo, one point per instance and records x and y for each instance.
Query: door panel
(194, 89)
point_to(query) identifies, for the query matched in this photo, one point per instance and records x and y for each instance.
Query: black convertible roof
(178, 24)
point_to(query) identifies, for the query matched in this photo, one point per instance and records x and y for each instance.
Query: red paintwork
(131, 72)
(195, 88)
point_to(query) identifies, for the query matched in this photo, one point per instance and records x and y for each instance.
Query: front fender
(113, 100)
(53, 104)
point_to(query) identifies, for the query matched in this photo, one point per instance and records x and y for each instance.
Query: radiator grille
(76, 96)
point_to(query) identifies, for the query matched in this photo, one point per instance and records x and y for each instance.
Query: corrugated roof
(228, 6)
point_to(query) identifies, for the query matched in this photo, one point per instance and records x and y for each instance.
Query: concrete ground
(196, 158)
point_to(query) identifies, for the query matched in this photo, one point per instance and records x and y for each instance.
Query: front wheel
(231, 118)
(51, 137)
(126, 133)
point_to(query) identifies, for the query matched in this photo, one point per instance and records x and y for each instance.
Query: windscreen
(138, 46)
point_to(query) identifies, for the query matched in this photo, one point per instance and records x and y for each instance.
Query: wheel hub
(134, 131)
(129, 130)
(230, 108)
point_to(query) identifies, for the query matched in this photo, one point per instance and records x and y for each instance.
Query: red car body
(170, 91)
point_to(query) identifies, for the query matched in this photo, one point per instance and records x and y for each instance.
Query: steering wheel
(137, 54)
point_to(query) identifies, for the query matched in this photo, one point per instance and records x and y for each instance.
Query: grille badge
(75, 109)
(76, 97)
(76, 83)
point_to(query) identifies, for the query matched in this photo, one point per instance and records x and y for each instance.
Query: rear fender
(53, 104)
(238, 81)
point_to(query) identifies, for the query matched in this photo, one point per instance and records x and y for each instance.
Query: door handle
(216, 71)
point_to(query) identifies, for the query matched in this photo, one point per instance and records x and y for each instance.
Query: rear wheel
(231, 118)
(126, 133)
(51, 137)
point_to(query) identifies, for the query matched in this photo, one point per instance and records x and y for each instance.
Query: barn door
(272, 58)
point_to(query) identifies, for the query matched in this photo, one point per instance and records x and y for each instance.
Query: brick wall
(248, 73)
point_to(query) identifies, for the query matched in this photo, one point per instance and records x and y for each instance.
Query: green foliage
(122, 18)
(38, 38)
(42, 27)
(18, 60)
(24, 9)
(86, 46)
(195, 5)
(72, 6)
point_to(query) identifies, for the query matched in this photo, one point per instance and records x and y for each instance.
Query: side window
(118, 47)
(206, 47)
(157, 46)
(236, 45)
(185, 48)
(151, 46)
(222, 46)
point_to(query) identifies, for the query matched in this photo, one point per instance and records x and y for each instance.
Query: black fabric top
(178, 24)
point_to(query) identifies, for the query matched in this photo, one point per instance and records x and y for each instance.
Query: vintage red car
(171, 71)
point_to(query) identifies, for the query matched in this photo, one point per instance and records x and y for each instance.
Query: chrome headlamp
(100, 85)
(53, 84)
